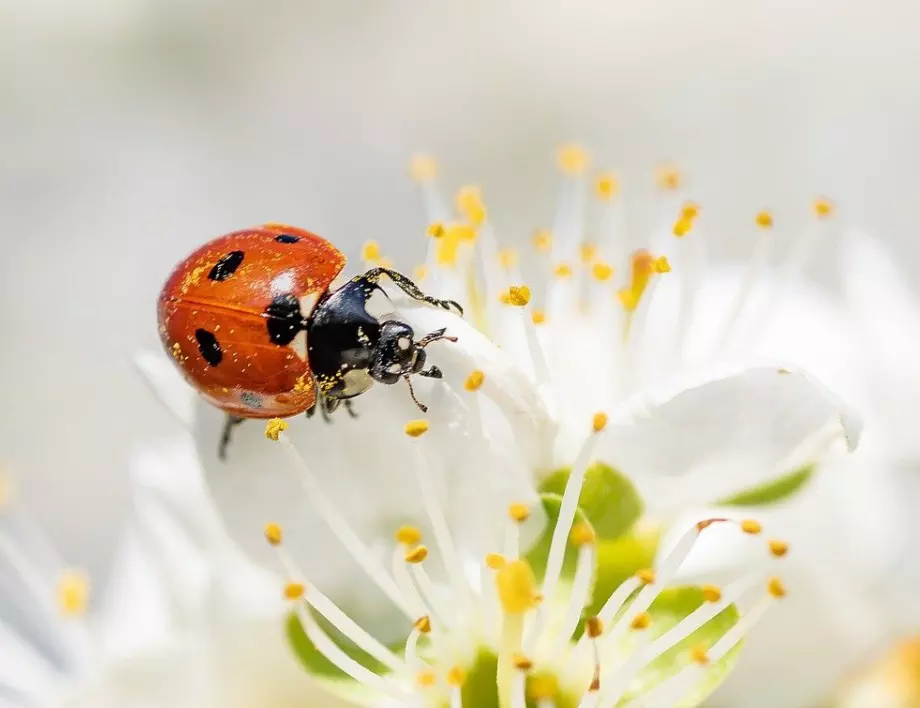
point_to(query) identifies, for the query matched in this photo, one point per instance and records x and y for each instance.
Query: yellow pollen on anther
(73, 592)
(711, 593)
(518, 295)
(823, 207)
(588, 252)
(682, 227)
(599, 421)
(426, 679)
(779, 548)
(420, 273)
(543, 687)
(416, 555)
(689, 211)
(519, 512)
(606, 186)
(538, 317)
(582, 534)
(641, 621)
(751, 526)
(601, 272)
(507, 258)
(456, 676)
(408, 535)
(273, 534)
(435, 230)
(495, 561)
(416, 428)
(646, 575)
(643, 265)
(668, 177)
(700, 654)
(661, 265)
(764, 219)
(474, 381)
(594, 627)
(469, 203)
(776, 588)
(543, 240)
(274, 428)
(370, 251)
(572, 159)
(522, 663)
(562, 270)
(448, 245)
(517, 587)
(294, 591)
(423, 168)
(423, 624)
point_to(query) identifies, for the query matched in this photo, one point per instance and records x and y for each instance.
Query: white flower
(185, 621)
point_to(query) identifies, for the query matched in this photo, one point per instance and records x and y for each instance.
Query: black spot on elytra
(209, 347)
(287, 238)
(284, 320)
(226, 266)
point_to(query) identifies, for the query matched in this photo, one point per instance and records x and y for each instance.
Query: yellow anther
(420, 273)
(779, 548)
(764, 219)
(495, 561)
(641, 621)
(588, 252)
(274, 428)
(776, 588)
(599, 421)
(435, 229)
(700, 654)
(711, 593)
(370, 251)
(522, 663)
(423, 624)
(273, 534)
(423, 168)
(474, 381)
(543, 240)
(643, 265)
(294, 591)
(73, 592)
(507, 258)
(661, 265)
(517, 587)
(572, 159)
(668, 177)
(751, 526)
(448, 245)
(519, 512)
(601, 272)
(538, 317)
(416, 554)
(606, 186)
(682, 227)
(543, 687)
(518, 295)
(504, 297)
(562, 270)
(823, 207)
(689, 211)
(456, 676)
(470, 204)
(426, 679)
(582, 534)
(594, 627)
(646, 575)
(416, 428)
(408, 535)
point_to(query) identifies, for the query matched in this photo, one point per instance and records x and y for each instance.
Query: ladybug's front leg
(408, 287)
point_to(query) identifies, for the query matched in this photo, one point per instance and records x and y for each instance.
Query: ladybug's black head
(396, 353)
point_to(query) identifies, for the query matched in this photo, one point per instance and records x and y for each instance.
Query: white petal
(23, 668)
(722, 431)
(167, 385)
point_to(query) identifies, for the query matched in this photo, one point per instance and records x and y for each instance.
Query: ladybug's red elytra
(252, 323)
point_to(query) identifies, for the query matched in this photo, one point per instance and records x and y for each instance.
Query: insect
(253, 324)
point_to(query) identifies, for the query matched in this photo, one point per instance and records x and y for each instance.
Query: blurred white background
(133, 130)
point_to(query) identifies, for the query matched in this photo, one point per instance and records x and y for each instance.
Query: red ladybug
(251, 322)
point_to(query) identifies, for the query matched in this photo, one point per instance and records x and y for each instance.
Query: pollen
(469, 203)
(73, 591)
(517, 587)
(274, 428)
(668, 177)
(588, 252)
(538, 317)
(700, 654)
(641, 621)
(711, 593)
(643, 265)
(582, 534)
(779, 548)
(518, 295)
(456, 676)
(646, 575)
(563, 270)
(426, 679)
(294, 591)
(751, 526)
(689, 211)
(507, 258)
(543, 240)
(449, 243)
(776, 588)
(370, 251)
(495, 561)
(764, 220)
(522, 663)
(823, 208)
(416, 555)
(606, 186)
(601, 272)
(423, 624)
(435, 229)
(474, 381)
(572, 159)
(661, 265)
(273, 534)
(416, 428)
(519, 512)
(423, 168)
(594, 627)
(682, 227)
(544, 687)
(420, 273)
(599, 421)
(408, 535)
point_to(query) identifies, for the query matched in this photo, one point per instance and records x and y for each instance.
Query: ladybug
(254, 325)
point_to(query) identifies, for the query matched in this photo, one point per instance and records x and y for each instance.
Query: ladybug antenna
(422, 407)
(435, 336)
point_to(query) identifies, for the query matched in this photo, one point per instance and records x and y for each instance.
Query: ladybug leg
(432, 372)
(231, 422)
(330, 406)
(408, 287)
(349, 406)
